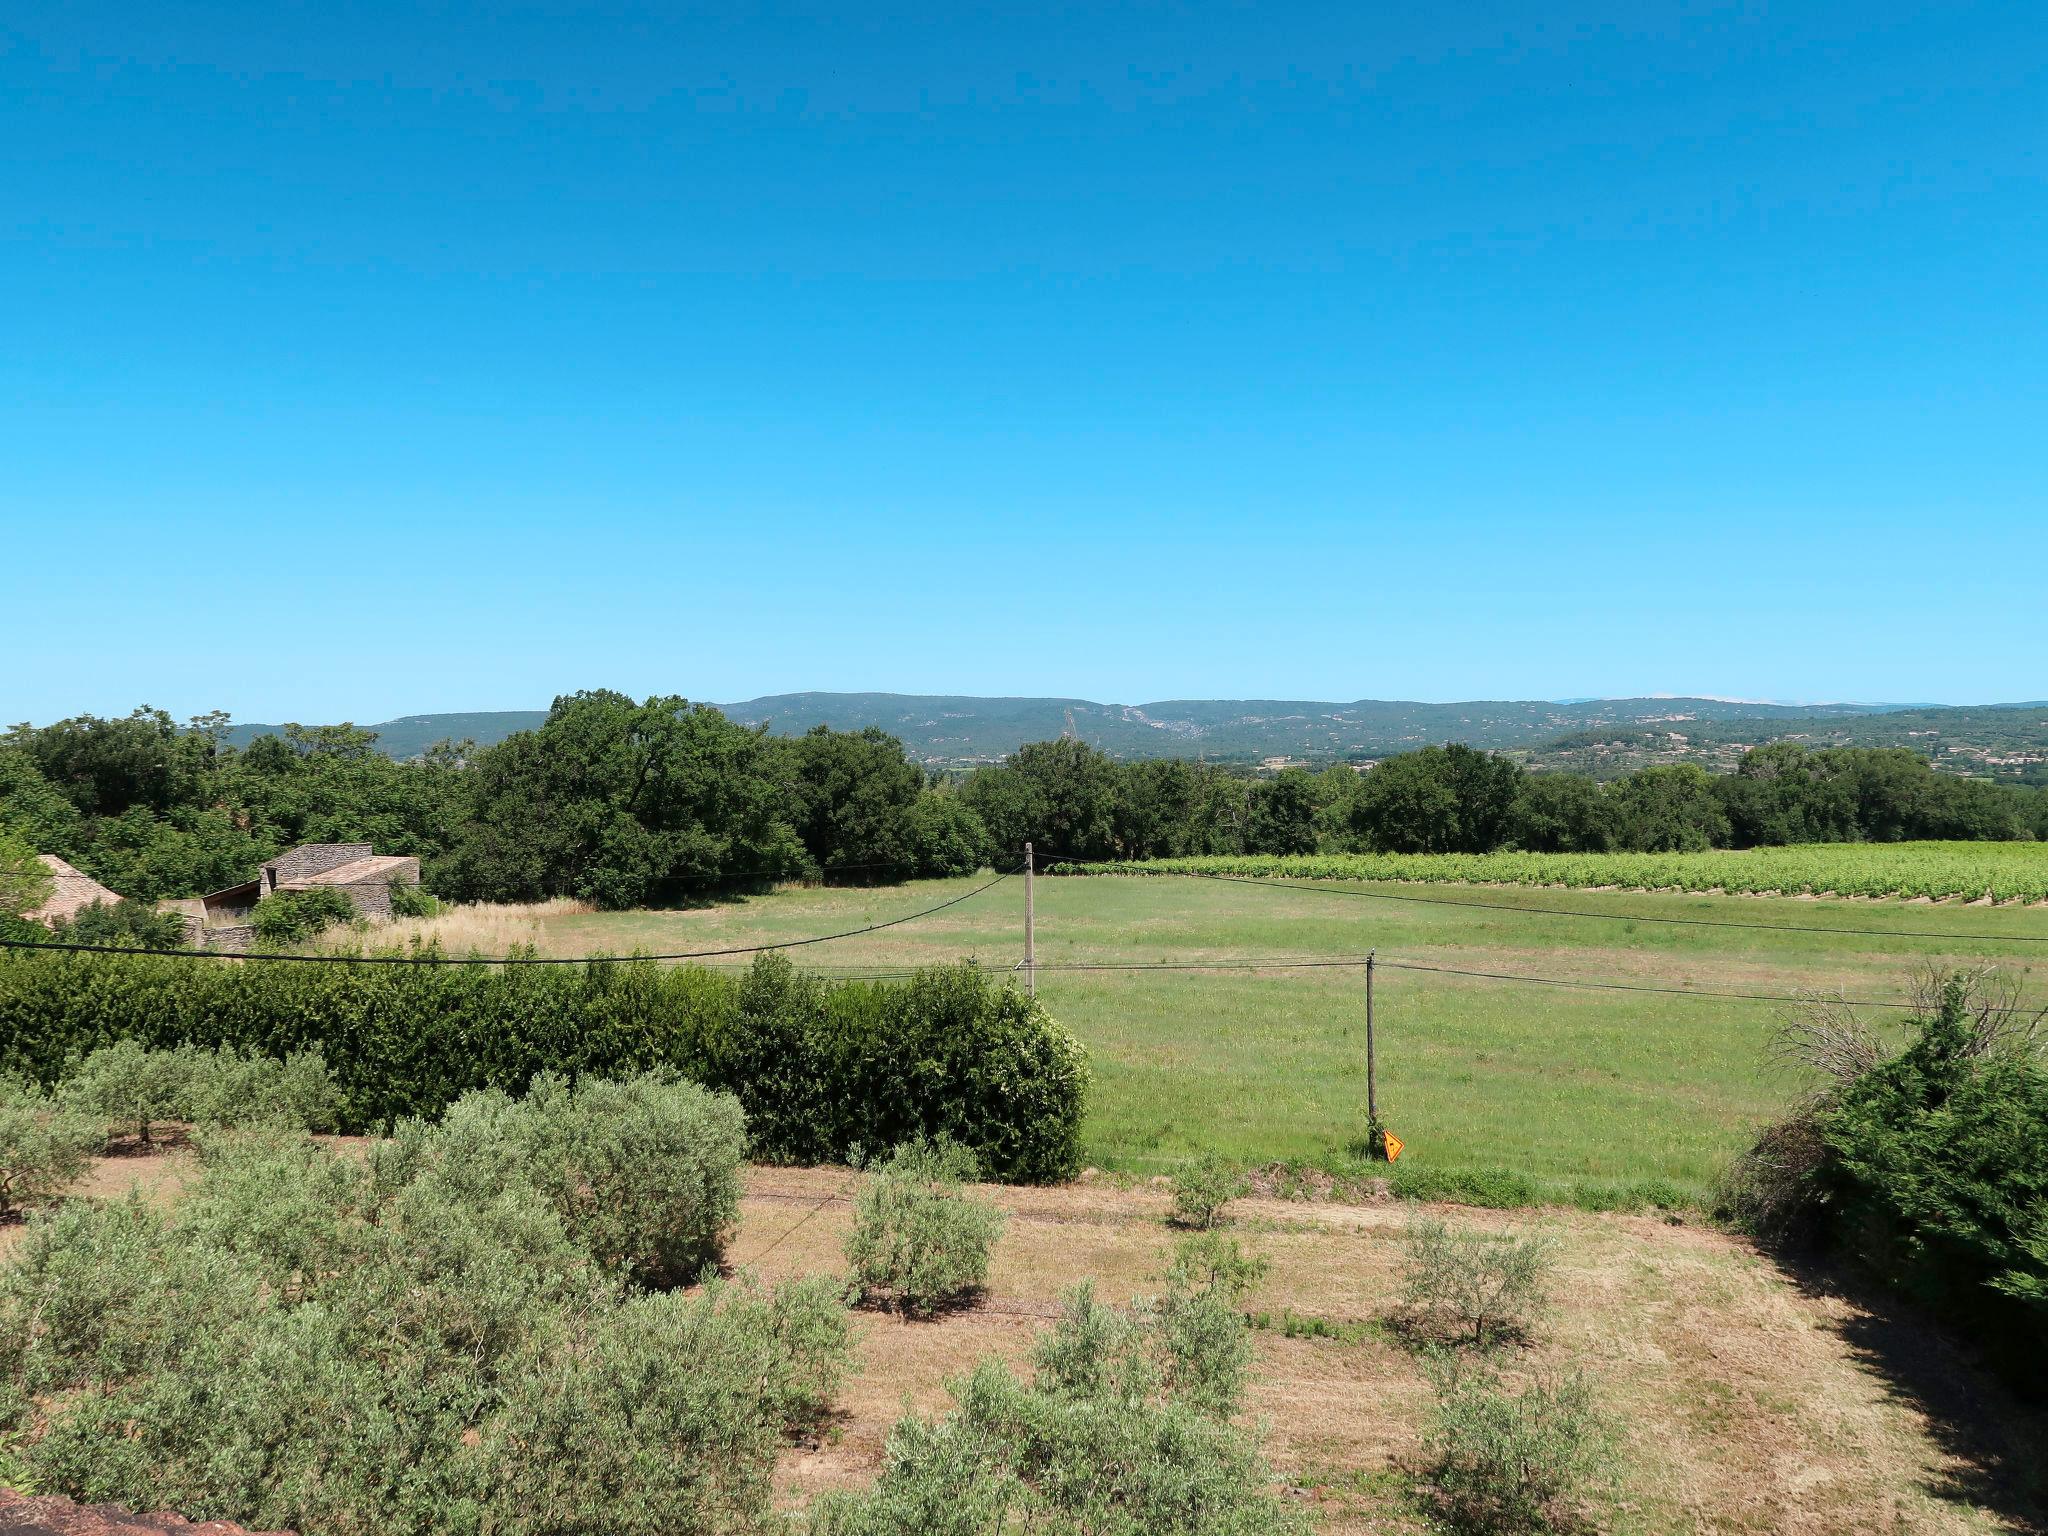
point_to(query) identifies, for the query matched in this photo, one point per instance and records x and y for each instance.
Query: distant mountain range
(2007, 740)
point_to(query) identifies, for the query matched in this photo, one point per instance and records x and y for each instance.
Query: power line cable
(1509, 906)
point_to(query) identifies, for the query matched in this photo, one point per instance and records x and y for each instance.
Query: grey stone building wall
(312, 859)
(372, 901)
(372, 895)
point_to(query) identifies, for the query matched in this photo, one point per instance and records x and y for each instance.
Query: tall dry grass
(481, 928)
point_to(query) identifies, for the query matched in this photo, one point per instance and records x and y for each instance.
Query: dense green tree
(24, 882)
(31, 808)
(945, 837)
(1670, 808)
(1169, 807)
(622, 804)
(124, 924)
(1438, 800)
(1562, 813)
(1060, 795)
(329, 784)
(1283, 813)
(104, 767)
(849, 795)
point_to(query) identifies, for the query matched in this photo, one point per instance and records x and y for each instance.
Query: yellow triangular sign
(1393, 1144)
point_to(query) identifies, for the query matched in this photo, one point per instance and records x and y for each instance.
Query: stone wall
(373, 899)
(372, 894)
(311, 859)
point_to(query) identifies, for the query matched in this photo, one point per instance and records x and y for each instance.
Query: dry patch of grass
(481, 928)
(1753, 1399)
(1748, 1402)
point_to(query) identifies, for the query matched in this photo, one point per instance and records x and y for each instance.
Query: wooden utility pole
(1030, 931)
(1372, 1101)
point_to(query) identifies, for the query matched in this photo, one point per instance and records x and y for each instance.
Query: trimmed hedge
(823, 1069)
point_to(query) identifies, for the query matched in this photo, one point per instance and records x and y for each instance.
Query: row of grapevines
(2001, 871)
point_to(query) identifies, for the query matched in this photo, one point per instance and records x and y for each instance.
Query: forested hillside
(1604, 737)
(627, 803)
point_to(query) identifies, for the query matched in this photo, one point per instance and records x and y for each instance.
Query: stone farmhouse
(354, 869)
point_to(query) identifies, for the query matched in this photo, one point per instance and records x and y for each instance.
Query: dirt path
(1752, 1401)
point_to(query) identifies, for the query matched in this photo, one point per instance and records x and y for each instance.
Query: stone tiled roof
(383, 867)
(72, 891)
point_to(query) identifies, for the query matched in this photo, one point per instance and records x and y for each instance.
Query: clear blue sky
(378, 359)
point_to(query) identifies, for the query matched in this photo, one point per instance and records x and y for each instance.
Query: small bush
(1206, 1349)
(1191, 1343)
(1209, 1262)
(122, 924)
(1498, 1189)
(1100, 1440)
(651, 1421)
(228, 1088)
(1770, 1190)
(645, 1173)
(45, 1145)
(413, 901)
(1202, 1187)
(807, 1322)
(133, 1088)
(918, 1237)
(1204, 1335)
(292, 917)
(14, 1473)
(1474, 1286)
(409, 1343)
(1507, 1461)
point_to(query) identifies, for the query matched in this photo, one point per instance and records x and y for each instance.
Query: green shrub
(1202, 1187)
(14, 1475)
(1192, 1343)
(1461, 1283)
(411, 1342)
(45, 1145)
(918, 1237)
(650, 1422)
(1499, 1189)
(124, 924)
(228, 1087)
(1926, 1165)
(1203, 1334)
(134, 1088)
(1100, 1440)
(292, 917)
(1206, 1345)
(645, 1174)
(807, 1322)
(137, 1089)
(1210, 1262)
(413, 901)
(1515, 1461)
(821, 1068)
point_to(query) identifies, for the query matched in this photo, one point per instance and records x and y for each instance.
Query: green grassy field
(1581, 1091)
(1938, 871)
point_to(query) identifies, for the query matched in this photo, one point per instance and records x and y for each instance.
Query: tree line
(625, 803)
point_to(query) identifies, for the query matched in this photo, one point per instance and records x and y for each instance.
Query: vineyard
(1937, 871)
